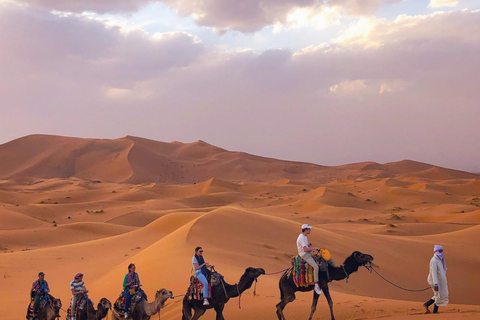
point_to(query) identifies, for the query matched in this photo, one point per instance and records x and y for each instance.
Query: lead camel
(288, 286)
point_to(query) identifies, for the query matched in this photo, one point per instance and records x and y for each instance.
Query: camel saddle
(302, 272)
(119, 304)
(195, 290)
(81, 304)
(43, 304)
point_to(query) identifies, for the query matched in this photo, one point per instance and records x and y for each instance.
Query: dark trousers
(36, 303)
(128, 299)
(429, 303)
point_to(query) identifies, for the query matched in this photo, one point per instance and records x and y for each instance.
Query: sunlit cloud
(360, 33)
(318, 18)
(362, 87)
(443, 3)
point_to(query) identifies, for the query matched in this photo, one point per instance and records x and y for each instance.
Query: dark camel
(89, 312)
(51, 309)
(288, 287)
(219, 299)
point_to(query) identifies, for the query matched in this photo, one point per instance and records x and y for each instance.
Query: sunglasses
(201, 251)
(440, 251)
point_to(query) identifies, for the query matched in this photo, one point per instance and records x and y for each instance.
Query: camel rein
(266, 274)
(346, 274)
(239, 296)
(370, 268)
(272, 273)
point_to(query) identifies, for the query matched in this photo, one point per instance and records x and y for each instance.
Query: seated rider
(39, 289)
(77, 286)
(201, 272)
(305, 252)
(131, 284)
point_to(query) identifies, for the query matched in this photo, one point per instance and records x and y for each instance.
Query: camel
(51, 309)
(89, 312)
(288, 287)
(220, 296)
(144, 310)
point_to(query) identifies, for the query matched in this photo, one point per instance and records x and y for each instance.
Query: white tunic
(438, 275)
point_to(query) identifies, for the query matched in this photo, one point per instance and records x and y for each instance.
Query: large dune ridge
(138, 160)
(71, 205)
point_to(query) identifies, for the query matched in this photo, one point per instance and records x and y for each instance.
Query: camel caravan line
(311, 270)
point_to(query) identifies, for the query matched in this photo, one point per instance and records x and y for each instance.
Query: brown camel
(220, 296)
(89, 312)
(288, 287)
(144, 310)
(51, 309)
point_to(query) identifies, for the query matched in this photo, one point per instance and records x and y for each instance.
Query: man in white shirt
(305, 252)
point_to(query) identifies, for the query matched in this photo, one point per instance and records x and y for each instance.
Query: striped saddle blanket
(195, 290)
(119, 304)
(43, 303)
(81, 304)
(302, 272)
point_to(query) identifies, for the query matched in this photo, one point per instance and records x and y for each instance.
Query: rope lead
(393, 284)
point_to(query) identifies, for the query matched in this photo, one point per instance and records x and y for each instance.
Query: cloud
(317, 18)
(443, 3)
(222, 15)
(368, 87)
(427, 29)
(250, 16)
(361, 7)
(339, 102)
(99, 6)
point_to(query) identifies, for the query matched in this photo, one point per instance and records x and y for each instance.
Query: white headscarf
(436, 248)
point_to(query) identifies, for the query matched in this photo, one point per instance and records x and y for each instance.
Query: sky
(323, 81)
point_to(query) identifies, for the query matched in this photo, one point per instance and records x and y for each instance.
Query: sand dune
(137, 160)
(70, 205)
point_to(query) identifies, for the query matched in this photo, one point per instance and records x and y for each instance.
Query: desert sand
(71, 205)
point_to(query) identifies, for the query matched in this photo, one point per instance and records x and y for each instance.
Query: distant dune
(137, 160)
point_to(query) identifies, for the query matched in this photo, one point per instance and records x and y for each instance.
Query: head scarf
(440, 255)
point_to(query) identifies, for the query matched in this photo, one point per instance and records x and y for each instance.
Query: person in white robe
(437, 279)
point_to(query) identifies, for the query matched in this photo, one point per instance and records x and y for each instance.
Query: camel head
(362, 258)
(254, 273)
(105, 304)
(56, 305)
(161, 296)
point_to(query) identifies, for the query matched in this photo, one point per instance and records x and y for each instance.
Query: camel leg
(198, 313)
(219, 311)
(314, 304)
(186, 310)
(326, 291)
(289, 297)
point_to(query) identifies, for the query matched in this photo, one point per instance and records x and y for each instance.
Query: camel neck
(343, 271)
(234, 290)
(151, 308)
(101, 313)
